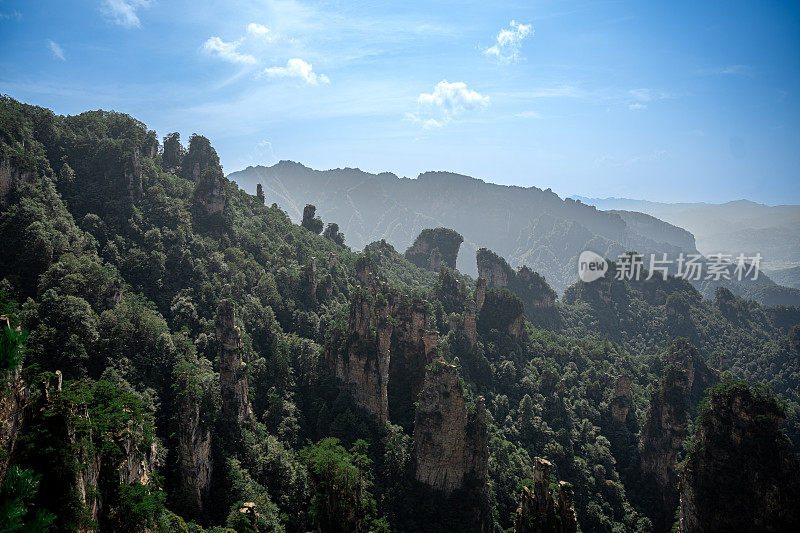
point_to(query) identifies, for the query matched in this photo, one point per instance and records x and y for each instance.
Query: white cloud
(297, 68)
(123, 12)
(446, 102)
(637, 106)
(453, 98)
(260, 31)
(529, 114)
(508, 42)
(56, 50)
(227, 50)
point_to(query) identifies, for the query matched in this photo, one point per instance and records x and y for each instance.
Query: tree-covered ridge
(161, 305)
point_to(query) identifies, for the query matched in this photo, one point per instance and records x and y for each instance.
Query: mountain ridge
(370, 207)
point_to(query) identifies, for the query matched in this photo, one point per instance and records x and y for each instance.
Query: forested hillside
(180, 356)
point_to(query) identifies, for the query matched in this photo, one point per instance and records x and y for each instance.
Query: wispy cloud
(508, 42)
(740, 70)
(447, 101)
(640, 98)
(56, 50)
(529, 115)
(15, 15)
(256, 36)
(297, 68)
(227, 50)
(124, 12)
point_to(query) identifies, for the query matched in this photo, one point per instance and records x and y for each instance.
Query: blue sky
(666, 101)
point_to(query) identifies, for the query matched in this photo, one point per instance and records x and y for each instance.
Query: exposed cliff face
(434, 248)
(538, 511)
(501, 311)
(622, 401)
(233, 370)
(662, 438)
(14, 399)
(450, 445)
(382, 360)
(194, 452)
(200, 157)
(480, 293)
(361, 364)
(210, 195)
(742, 474)
(133, 176)
(412, 346)
(10, 174)
(685, 380)
(96, 470)
(310, 281)
(528, 285)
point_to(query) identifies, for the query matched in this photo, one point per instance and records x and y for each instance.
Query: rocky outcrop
(382, 359)
(86, 465)
(699, 375)
(622, 401)
(200, 157)
(450, 445)
(361, 362)
(470, 323)
(124, 458)
(10, 174)
(311, 222)
(332, 233)
(14, 399)
(194, 450)
(233, 370)
(662, 438)
(310, 282)
(434, 248)
(538, 511)
(528, 285)
(210, 196)
(133, 176)
(480, 293)
(741, 474)
(502, 311)
(685, 380)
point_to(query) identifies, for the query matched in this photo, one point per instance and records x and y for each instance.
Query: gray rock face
(538, 511)
(233, 371)
(450, 445)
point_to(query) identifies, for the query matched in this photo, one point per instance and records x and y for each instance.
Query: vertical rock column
(194, 452)
(233, 370)
(538, 511)
(450, 447)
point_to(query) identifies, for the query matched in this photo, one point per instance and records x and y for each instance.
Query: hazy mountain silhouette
(525, 225)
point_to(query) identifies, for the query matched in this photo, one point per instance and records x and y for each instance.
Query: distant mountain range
(525, 225)
(733, 227)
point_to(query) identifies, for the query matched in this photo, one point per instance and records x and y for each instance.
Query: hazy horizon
(672, 102)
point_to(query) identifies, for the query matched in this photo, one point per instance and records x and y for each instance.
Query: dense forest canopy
(179, 356)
